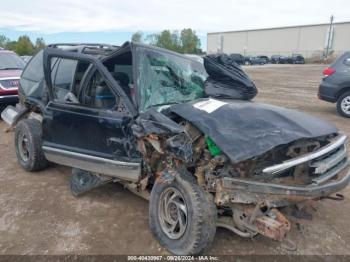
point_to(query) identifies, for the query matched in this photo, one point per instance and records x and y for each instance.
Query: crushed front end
(253, 193)
(254, 160)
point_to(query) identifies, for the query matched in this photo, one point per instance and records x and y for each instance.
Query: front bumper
(8, 99)
(251, 192)
(250, 196)
(329, 173)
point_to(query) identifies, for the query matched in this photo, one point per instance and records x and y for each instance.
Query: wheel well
(342, 91)
(29, 114)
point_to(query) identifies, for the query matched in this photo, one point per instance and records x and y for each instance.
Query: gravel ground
(39, 215)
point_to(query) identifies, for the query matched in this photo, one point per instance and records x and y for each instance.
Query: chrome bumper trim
(311, 190)
(275, 169)
(8, 96)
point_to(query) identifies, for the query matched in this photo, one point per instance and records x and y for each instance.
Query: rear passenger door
(83, 123)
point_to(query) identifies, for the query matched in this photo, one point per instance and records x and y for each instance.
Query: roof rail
(93, 45)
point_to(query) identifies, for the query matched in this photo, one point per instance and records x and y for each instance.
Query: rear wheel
(182, 216)
(343, 104)
(28, 142)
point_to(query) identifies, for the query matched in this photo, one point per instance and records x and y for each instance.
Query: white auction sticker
(209, 105)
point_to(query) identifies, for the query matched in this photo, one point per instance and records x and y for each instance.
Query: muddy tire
(28, 142)
(182, 216)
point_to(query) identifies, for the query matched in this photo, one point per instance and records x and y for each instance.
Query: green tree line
(186, 41)
(23, 45)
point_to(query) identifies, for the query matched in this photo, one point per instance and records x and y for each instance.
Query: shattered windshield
(166, 78)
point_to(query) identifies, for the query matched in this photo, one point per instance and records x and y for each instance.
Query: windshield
(166, 78)
(10, 61)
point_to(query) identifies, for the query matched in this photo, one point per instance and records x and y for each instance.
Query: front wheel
(182, 215)
(343, 105)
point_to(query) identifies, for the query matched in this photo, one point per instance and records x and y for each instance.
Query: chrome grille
(329, 165)
(323, 163)
(9, 83)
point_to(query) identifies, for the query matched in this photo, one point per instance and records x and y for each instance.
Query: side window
(98, 94)
(33, 77)
(62, 77)
(54, 65)
(35, 69)
(82, 67)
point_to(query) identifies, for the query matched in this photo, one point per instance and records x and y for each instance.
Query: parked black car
(254, 60)
(335, 86)
(238, 58)
(264, 58)
(284, 60)
(296, 59)
(276, 59)
(166, 126)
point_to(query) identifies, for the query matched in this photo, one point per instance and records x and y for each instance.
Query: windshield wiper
(172, 103)
(167, 103)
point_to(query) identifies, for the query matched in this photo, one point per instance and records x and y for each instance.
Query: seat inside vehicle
(103, 98)
(120, 67)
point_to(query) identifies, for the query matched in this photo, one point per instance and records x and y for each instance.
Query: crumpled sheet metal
(243, 129)
(153, 122)
(227, 79)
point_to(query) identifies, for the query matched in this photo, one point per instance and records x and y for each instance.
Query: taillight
(328, 71)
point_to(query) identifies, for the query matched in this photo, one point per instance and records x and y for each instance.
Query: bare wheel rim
(345, 105)
(173, 213)
(23, 147)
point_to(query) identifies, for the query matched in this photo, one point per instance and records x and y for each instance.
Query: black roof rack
(88, 48)
(95, 45)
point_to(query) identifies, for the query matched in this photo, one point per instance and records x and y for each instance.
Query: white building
(308, 40)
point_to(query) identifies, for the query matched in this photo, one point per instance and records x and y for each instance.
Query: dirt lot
(38, 214)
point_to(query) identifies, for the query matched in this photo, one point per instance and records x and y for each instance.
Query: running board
(129, 171)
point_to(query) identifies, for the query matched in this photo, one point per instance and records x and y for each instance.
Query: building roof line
(273, 28)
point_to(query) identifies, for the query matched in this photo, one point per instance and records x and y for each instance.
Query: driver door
(82, 125)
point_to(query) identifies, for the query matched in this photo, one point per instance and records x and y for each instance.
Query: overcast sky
(62, 19)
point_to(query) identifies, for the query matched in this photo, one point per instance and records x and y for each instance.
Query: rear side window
(62, 77)
(35, 69)
(32, 80)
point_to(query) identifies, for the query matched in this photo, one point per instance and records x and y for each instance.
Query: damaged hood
(243, 130)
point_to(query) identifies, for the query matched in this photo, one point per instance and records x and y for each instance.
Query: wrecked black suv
(181, 133)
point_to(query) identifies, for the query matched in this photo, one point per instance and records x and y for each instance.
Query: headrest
(121, 77)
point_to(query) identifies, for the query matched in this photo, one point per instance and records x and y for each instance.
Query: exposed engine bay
(247, 195)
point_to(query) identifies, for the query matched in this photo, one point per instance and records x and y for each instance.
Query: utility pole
(221, 44)
(329, 37)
